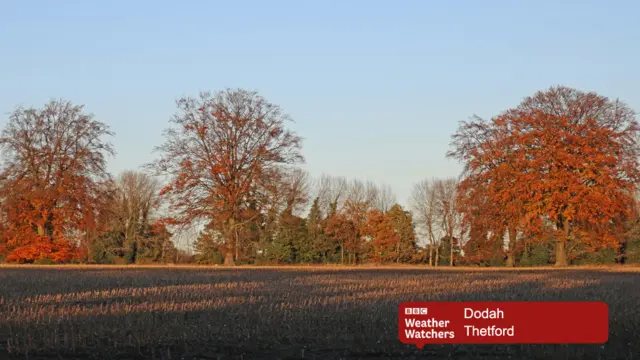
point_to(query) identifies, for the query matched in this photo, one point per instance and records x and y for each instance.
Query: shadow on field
(170, 313)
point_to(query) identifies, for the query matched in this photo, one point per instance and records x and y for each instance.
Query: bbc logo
(415, 311)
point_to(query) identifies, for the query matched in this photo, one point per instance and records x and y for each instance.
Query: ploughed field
(85, 312)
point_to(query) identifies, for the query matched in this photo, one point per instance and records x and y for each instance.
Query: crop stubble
(176, 312)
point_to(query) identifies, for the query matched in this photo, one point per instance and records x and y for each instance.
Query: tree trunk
(342, 254)
(41, 231)
(451, 250)
(437, 259)
(561, 246)
(511, 259)
(561, 253)
(237, 242)
(130, 246)
(228, 257)
(430, 254)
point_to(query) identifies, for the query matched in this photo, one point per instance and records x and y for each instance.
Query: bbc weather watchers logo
(415, 311)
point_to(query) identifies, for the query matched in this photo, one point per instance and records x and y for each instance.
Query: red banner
(525, 322)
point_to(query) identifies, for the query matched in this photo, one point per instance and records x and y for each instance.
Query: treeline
(550, 181)
(346, 223)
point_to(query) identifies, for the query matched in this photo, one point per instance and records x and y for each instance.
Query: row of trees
(552, 180)
(348, 222)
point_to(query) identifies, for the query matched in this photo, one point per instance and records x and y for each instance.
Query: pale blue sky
(376, 87)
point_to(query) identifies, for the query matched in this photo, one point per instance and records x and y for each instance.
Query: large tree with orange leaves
(224, 155)
(382, 234)
(562, 155)
(54, 160)
(343, 231)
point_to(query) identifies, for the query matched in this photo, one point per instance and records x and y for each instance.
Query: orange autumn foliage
(343, 231)
(563, 155)
(382, 234)
(49, 182)
(224, 156)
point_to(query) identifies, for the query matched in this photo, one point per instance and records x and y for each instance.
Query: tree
(563, 156)
(223, 156)
(447, 212)
(342, 230)
(629, 250)
(402, 223)
(360, 198)
(100, 240)
(125, 222)
(290, 243)
(331, 192)
(155, 245)
(536, 249)
(282, 203)
(483, 251)
(423, 202)
(482, 199)
(54, 160)
(316, 234)
(356, 212)
(383, 237)
(208, 247)
(435, 205)
(296, 188)
(385, 198)
(449, 249)
(136, 195)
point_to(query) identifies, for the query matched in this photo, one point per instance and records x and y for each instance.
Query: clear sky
(376, 87)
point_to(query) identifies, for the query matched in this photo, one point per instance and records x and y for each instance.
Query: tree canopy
(563, 156)
(54, 159)
(552, 179)
(224, 154)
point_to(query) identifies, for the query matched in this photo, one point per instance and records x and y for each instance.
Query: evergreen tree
(208, 247)
(444, 251)
(321, 247)
(403, 224)
(536, 252)
(290, 243)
